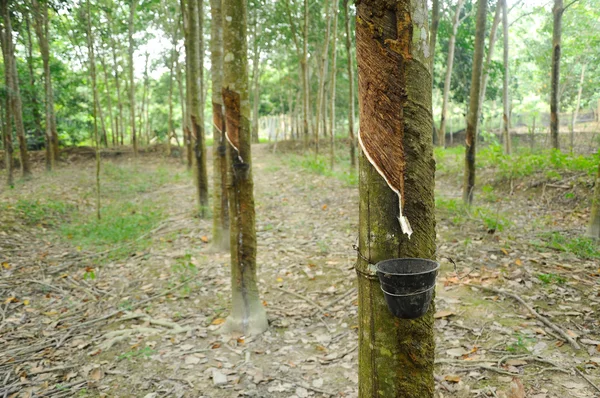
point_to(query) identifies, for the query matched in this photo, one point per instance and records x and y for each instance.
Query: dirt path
(147, 324)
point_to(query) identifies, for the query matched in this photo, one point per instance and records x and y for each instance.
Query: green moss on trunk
(395, 356)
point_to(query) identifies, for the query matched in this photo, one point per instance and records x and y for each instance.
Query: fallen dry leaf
(443, 314)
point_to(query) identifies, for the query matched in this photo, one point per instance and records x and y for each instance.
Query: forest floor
(131, 306)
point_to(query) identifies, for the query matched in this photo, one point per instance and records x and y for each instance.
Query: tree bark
(112, 122)
(120, 131)
(32, 94)
(474, 104)
(41, 29)
(255, 77)
(322, 73)
(449, 66)
(332, 83)
(505, 83)
(196, 61)
(92, 69)
(558, 11)
(187, 124)
(134, 142)
(248, 316)
(7, 127)
(594, 225)
(14, 92)
(395, 356)
(490, 53)
(220, 202)
(351, 137)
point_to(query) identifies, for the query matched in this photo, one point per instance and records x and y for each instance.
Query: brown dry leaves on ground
(147, 324)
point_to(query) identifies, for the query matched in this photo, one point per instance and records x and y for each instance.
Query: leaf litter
(144, 325)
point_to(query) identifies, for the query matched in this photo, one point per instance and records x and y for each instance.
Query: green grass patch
(117, 179)
(47, 213)
(459, 214)
(121, 223)
(551, 278)
(321, 166)
(525, 163)
(580, 246)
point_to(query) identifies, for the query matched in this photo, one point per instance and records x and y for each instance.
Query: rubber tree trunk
(187, 123)
(32, 94)
(112, 122)
(248, 316)
(255, 76)
(131, 31)
(557, 11)
(490, 53)
(577, 105)
(7, 134)
(302, 53)
(351, 136)
(120, 131)
(505, 83)
(220, 202)
(335, 10)
(396, 356)
(474, 103)
(594, 226)
(305, 82)
(41, 30)
(449, 66)
(14, 93)
(92, 69)
(196, 63)
(145, 102)
(323, 63)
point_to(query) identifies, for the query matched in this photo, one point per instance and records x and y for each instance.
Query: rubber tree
(92, 70)
(396, 185)
(474, 103)
(187, 122)
(594, 226)
(247, 316)
(302, 52)
(456, 21)
(220, 203)
(32, 93)
(14, 93)
(577, 105)
(196, 66)
(323, 64)
(505, 83)
(490, 53)
(41, 25)
(351, 135)
(130, 33)
(557, 11)
(332, 81)
(7, 137)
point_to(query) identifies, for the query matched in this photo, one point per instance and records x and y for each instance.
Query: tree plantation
(300, 198)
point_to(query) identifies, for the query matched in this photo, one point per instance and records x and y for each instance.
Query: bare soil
(148, 323)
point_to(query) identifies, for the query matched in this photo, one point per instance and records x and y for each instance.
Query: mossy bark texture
(474, 103)
(220, 210)
(248, 316)
(594, 227)
(14, 93)
(396, 356)
(558, 11)
(196, 51)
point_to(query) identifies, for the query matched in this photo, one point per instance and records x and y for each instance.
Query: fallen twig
(587, 379)
(304, 385)
(317, 306)
(543, 319)
(335, 301)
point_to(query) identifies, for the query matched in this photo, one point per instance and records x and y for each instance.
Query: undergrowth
(321, 165)
(491, 219)
(580, 246)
